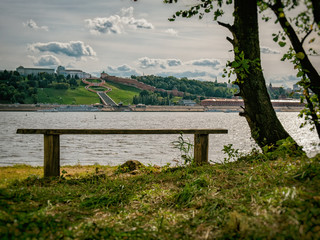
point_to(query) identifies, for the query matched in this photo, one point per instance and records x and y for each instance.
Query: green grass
(96, 88)
(122, 93)
(94, 80)
(119, 93)
(239, 200)
(70, 96)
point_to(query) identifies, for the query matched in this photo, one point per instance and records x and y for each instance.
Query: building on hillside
(296, 87)
(33, 71)
(221, 102)
(187, 102)
(72, 72)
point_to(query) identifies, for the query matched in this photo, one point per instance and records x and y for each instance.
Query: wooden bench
(52, 142)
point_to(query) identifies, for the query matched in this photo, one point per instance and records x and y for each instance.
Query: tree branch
(230, 40)
(303, 39)
(226, 25)
(267, 3)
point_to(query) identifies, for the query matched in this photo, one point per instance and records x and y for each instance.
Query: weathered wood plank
(121, 131)
(201, 149)
(51, 155)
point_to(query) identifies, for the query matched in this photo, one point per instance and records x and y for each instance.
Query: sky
(126, 37)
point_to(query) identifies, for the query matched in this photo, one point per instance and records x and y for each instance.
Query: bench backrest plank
(121, 131)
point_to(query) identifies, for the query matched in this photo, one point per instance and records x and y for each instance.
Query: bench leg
(51, 155)
(201, 148)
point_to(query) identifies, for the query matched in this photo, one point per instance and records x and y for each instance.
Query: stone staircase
(106, 99)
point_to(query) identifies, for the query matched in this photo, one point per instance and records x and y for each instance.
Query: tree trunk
(316, 11)
(266, 128)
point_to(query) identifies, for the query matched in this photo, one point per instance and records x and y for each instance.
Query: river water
(116, 149)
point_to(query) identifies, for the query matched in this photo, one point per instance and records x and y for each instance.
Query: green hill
(79, 95)
(122, 93)
(76, 96)
(53, 88)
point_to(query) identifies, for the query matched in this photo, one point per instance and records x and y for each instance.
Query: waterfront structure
(139, 85)
(187, 102)
(33, 71)
(239, 102)
(72, 72)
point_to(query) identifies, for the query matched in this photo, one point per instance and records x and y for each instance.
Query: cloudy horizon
(125, 38)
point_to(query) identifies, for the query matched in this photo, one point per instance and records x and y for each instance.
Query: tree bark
(316, 11)
(266, 128)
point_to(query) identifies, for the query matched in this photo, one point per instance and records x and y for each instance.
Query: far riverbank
(133, 108)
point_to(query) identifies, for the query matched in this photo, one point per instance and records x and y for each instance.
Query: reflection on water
(116, 149)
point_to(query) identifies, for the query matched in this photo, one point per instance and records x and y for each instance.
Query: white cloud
(146, 62)
(283, 80)
(173, 62)
(75, 49)
(206, 63)
(45, 60)
(140, 23)
(267, 50)
(33, 25)
(127, 12)
(171, 31)
(122, 71)
(116, 23)
(111, 24)
(187, 74)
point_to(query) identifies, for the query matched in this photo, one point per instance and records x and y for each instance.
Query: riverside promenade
(134, 108)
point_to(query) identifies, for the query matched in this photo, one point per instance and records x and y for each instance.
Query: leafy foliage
(306, 23)
(241, 67)
(185, 147)
(152, 98)
(200, 9)
(19, 89)
(192, 88)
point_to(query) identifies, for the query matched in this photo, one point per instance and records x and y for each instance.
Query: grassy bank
(76, 96)
(243, 200)
(122, 93)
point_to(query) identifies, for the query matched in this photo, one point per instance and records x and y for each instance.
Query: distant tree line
(281, 93)
(152, 98)
(189, 87)
(15, 88)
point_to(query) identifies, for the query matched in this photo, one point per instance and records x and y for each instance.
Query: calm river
(116, 149)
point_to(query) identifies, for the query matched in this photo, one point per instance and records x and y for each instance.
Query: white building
(296, 87)
(33, 71)
(72, 72)
(186, 102)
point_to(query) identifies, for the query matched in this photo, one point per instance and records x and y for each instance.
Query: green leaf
(282, 44)
(300, 74)
(235, 65)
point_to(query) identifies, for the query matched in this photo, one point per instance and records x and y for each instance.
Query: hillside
(188, 86)
(75, 96)
(46, 88)
(122, 93)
